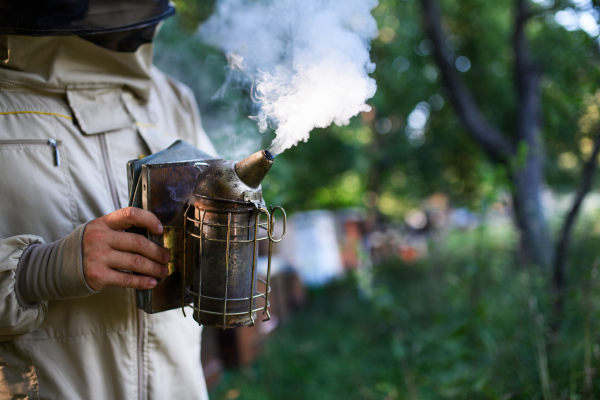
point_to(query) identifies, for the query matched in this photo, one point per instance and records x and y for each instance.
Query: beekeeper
(79, 97)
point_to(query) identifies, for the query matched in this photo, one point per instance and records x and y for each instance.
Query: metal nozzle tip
(252, 169)
(268, 155)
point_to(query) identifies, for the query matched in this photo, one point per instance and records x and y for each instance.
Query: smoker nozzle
(269, 155)
(253, 169)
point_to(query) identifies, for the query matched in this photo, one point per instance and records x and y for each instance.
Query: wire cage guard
(214, 228)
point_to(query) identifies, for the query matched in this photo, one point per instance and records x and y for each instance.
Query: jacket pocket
(35, 188)
(52, 143)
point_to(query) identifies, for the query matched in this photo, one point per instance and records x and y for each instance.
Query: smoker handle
(272, 224)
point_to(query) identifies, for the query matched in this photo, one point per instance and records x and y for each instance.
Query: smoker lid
(219, 181)
(235, 181)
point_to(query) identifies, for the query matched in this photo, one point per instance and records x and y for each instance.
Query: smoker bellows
(213, 216)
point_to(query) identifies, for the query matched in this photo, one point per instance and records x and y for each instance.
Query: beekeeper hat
(79, 17)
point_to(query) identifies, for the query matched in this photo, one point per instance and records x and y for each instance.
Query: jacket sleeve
(15, 319)
(33, 272)
(52, 271)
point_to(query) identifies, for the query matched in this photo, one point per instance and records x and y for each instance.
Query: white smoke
(307, 59)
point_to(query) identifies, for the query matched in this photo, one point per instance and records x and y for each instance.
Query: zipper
(141, 327)
(109, 174)
(55, 144)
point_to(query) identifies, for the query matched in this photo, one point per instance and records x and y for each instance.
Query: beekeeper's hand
(107, 249)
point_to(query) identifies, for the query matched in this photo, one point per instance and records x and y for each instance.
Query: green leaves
(317, 174)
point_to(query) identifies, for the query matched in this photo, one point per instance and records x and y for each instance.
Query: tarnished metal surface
(224, 268)
(228, 200)
(172, 239)
(211, 212)
(228, 180)
(219, 180)
(253, 169)
(253, 197)
(230, 269)
(226, 207)
(165, 188)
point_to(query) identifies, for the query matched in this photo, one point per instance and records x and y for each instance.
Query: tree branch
(487, 135)
(564, 240)
(527, 74)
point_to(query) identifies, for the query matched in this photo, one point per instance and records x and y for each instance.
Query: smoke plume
(308, 60)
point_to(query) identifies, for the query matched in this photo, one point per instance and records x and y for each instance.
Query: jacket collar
(53, 63)
(96, 82)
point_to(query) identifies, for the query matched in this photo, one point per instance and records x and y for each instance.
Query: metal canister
(225, 222)
(225, 263)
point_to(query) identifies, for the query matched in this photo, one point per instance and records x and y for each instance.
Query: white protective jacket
(103, 108)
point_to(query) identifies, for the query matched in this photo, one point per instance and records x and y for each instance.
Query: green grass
(465, 323)
(335, 343)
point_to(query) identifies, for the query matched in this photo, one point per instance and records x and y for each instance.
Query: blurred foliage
(391, 172)
(191, 13)
(465, 323)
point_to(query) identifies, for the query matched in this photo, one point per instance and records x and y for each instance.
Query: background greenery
(338, 165)
(468, 321)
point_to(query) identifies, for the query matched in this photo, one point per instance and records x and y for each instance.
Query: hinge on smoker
(254, 197)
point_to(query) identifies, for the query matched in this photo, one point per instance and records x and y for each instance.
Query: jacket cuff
(52, 271)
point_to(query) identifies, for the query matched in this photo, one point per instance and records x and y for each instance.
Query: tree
(521, 152)
(522, 93)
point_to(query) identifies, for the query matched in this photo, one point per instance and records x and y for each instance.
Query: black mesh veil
(79, 17)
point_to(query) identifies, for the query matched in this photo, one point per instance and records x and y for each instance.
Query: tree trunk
(535, 241)
(523, 156)
(563, 242)
(528, 179)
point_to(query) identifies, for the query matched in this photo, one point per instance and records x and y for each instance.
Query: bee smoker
(213, 216)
